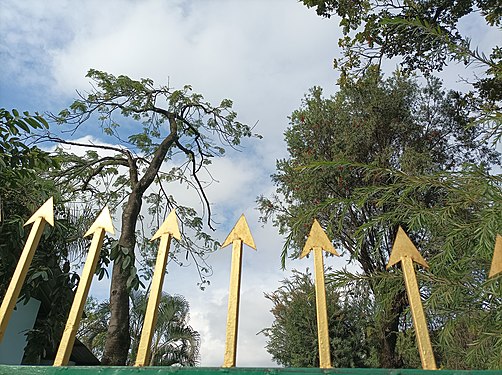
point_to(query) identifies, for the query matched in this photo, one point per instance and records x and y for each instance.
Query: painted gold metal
(240, 234)
(45, 214)
(404, 251)
(496, 266)
(102, 224)
(317, 241)
(166, 232)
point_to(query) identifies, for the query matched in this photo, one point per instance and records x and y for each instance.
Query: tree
(292, 339)
(174, 341)
(458, 233)
(426, 37)
(382, 123)
(18, 161)
(167, 124)
(424, 33)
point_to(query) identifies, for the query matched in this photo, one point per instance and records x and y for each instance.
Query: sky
(264, 55)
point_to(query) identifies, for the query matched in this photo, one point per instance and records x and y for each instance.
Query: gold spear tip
(169, 226)
(46, 212)
(496, 266)
(403, 247)
(240, 232)
(103, 221)
(318, 238)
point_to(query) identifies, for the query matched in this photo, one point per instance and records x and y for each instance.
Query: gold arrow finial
(318, 238)
(46, 212)
(403, 247)
(169, 226)
(317, 241)
(103, 221)
(496, 266)
(167, 230)
(404, 251)
(240, 232)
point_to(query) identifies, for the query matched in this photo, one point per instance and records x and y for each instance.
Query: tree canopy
(453, 212)
(425, 36)
(424, 33)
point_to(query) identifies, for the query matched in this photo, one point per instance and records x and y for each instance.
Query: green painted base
(47, 370)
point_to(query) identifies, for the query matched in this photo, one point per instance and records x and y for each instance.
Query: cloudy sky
(264, 55)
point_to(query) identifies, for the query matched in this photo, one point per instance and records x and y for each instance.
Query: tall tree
(151, 125)
(387, 123)
(425, 36)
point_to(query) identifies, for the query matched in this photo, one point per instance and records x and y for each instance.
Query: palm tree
(93, 327)
(174, 342)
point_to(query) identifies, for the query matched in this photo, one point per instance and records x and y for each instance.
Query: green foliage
(16, 158)
(457, 237)
(426, 37)
(174, 125)
(382, 153)
(93, 326)
(390, 123)
(368, 160)
(458, 233)
(370, 30)
(292, 339)
(23, 188)
(174, 341)
(153, 107)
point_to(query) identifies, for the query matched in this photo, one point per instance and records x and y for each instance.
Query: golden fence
(403, 251)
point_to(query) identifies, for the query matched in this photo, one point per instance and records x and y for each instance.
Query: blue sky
(264, 55)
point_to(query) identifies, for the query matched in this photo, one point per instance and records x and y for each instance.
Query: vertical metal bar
(16, 283)
(496, 266)
(70, 331)
(321, 308)
(417, 312)
(233, 305)
(151, 313)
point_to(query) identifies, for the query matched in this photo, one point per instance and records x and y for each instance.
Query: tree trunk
(388, 357)
(118, 338)
(389, 324)
(390, 328)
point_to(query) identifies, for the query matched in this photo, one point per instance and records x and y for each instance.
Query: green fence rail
(45, 370)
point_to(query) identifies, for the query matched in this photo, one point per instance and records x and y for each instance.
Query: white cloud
(263, 55)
